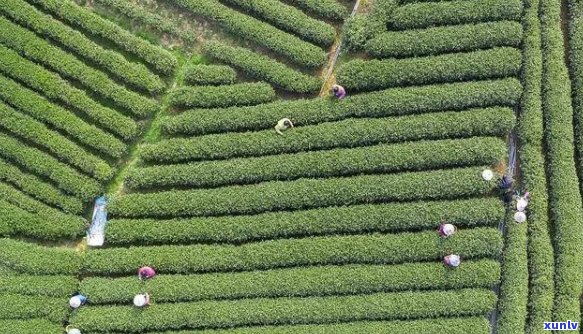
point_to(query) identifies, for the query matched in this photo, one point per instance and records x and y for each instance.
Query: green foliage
(243, 94)
(133, 73)
(39, 260)
(29, 102)
(427, 14)
(262, 67)
(436, 40)
(54, 87)
(246, 27)
(390, 102)
(31, 307)
(17, 222)
(330, 9)
(211, 75)
(338, 162)
(40, 51)
(367, 249)
(355, 31)
(347, 133)
(474, 325)
(394, 217)
(304, 193)
(155, 56)
(295, 282)
(42, 164)
(532, 165)
(38, 189)
(248, 312)
(565, 199)
(367, 75)
(25, 202)
(378, 17)
(33, 285)
(61, 147)
(31, 326)
(289, 19)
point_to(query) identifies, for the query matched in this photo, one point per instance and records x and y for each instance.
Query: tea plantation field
(168, 108)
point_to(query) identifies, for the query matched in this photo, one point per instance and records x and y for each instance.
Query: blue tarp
(96, 232)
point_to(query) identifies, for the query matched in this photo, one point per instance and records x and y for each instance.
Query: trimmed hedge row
(565, 198)
(29, 102)
(338, 162)
(366, 249)
(289, 19)
(17, 222)
(249, 312)
(347, 133)
(437, 40)
(32, 307)
(427, 14)
(32, 285)
(31, 326)
(396, 101)
(157, 57)
(513, 297)
(151, 20)
(394, 217)
(61, 147)
(39, 260)
(25, 202)
(239, 24)
(243, 94)
(209, 75)
(576, 67)
(474, 325)
(262, 67)
(541, 260)
(367, 75)
(303, 194)
(55, 88)
(295, 282)
(38, 189)
(36, 49)
(132, 73)
(329, 9)
(44, 165)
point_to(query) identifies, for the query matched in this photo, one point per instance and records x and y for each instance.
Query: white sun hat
(448, 229)
(75, 302)
(141, 300)
(521, 204)
(71, 330)
(520, 217)
(453, 260)
(487, 174)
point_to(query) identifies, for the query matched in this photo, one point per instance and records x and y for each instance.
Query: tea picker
(283, 125)
(452, 260)
(446, 230)
(339, 92)
(146, 273)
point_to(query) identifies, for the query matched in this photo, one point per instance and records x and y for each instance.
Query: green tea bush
(353, 249)
(56, 144)
(44, 165)
(249, 28)
(132, 73)
(40, 51)
(437, 40)
(209, 75)
(155, 56)
(31, 307)
(337, 162)
(393, 217)
(55, 88)
(295, 282)
(367, 75)
(29, 102)
(347, 133)
(33, 259)
(262, 67)
(303, 194)
(242, 94)
(289, 19)
(390, 102)
(427, 14)
(329, 9)
(252, 312)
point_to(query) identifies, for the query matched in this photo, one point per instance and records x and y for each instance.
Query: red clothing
(146, 272)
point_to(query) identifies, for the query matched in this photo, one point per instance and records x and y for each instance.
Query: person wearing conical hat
(452, 260)
(446, 230)
(283, 125)
(77, 301)
(141, 300)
